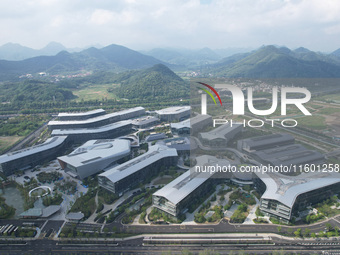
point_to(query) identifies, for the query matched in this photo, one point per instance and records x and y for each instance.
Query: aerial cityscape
(169, 127)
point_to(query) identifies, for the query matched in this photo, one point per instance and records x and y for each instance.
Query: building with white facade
(94, 156)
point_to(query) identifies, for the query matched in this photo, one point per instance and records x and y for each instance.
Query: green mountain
(152, 83)
(274, 62)
(113, 58)
(33, 91)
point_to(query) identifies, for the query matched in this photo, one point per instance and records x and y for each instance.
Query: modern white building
(110, 131)
(80, 115)
(175, 197)
(285, 196)
(192, 125)
(98, 121)
(32, 156)
(220, 136)
(265, 142)
(178, 113)
(133, 172)
(94, 156)
(145, 122)
(292, 154)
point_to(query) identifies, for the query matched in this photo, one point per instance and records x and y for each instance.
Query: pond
(13, 198)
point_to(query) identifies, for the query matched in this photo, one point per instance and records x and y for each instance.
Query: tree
(321, 234)
(306, 232)
(290, 231)
(313, 235)
(297, 233)
(329, 226)
(279, 228)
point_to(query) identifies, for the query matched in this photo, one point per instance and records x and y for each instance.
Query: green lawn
(163, 180)
(313, 122)
(95, 92)
(7, 141)
(328, 111)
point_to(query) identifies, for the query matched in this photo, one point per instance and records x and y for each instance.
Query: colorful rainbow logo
(209, 93)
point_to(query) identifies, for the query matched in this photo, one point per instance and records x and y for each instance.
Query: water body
(13, 198)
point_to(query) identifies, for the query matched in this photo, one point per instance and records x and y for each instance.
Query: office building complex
(285, 196)
(178, 113)
(145, 122)
(129, 174)
(175, 197)
(293, 154)
(192, 125)
(110, 131)
(32, 156)
(98, 121)
(219, 137)
(94, 156)
(80, 115)
(264, 142)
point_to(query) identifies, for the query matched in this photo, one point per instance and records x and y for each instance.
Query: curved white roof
(77, 114)
(48, 144)
(285, 189)
(95, 150)
(185, 184)
(155, 153)
(95, 119)
(173, 110)
(84, 131)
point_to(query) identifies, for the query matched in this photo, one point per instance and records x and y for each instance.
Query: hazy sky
(145, 24)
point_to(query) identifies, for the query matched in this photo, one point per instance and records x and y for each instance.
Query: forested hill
(33, 91)
(278, 62)
(151, 83)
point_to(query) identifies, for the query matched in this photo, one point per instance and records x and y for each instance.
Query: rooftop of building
(77, 114)
(145, 120)
(155, 153)
(285, 189)
(41, 212)
(105, 128)
(186, 183)
(74, 216)
(48, 144)
(269, 139)
(96, 150)
(95, 119)
(294, 154)
(220, 132)
(180, 143)
(153, 137)
(173, 110)
(182, 124)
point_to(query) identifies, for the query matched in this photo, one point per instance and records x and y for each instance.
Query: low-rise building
(80, 115)
(285, 196)
(131, 173)
(265, 142)
(94, 156)
(293, 154)
(175, 197)
(110, 131)
(178, 113)
(32, 156)
(192, 125)
(98, 121)
(220, 136)
(155, 137)
(145, 122)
